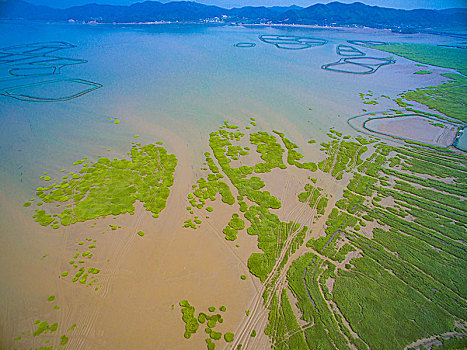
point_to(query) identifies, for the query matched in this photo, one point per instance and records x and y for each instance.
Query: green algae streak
(111, 187)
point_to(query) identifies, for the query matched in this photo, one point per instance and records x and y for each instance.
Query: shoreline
(363, 119)
(220, 24)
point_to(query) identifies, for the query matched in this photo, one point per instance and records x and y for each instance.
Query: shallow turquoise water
(187, 78)
(184, 78)
(461, 142)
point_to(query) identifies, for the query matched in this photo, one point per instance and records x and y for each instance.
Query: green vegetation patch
(229, 337)
(192, 323)
(449, 98)
(314, 198)
(293, 156)
(342, 155)
(111, 187)
(282, 322)
(408, 279)
(63, 340)
(432, 55)
(408, 265)
(44, 327)
(423, 72)
(235, 224)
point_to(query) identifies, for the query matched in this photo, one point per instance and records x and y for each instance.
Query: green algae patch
(93, 270)
(41, 328)
(191, 323)
(314, 198)
(215, 335)
(427, 246)
(140, 233)
(389, 270)
(448, 98)
(423, 72)
(439, 125)
(229, 337)
(111, 187)
(264, 224)
(63, 340)
(51, 298)
(44, 327)
(293, 156)
(42, 218)
(447, 57)
(189, 223)
(235, 224)
(202, 317)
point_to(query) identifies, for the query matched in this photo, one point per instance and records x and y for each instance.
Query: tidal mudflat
(415, 128)
(243, 203)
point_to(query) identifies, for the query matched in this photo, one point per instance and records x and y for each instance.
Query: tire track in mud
(259, 308)
(260, 318)
(282, 278)
(228, 246)
(118, 248)
(67, 316)
(290, 334)
(352, 166)
(85, 324)
(304, 281)
(121, 248)
(255, 303)
(331, 158)
(284, 191)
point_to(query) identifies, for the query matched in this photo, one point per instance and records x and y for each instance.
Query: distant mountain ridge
(332, 14)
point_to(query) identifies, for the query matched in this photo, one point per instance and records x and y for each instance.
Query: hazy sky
(405, 4)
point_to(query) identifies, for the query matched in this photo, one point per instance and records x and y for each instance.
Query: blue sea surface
(186, 78)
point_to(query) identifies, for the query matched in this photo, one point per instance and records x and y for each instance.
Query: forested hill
(334, 14)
